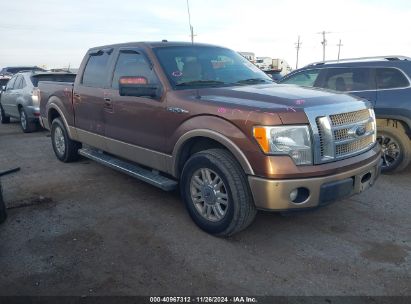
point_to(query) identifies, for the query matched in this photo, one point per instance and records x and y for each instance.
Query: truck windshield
(204, 66)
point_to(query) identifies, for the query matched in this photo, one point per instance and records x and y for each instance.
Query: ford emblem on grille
(357, 131)
(360, 131)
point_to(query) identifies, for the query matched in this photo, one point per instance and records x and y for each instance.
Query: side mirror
(137, 86)
(3, 88)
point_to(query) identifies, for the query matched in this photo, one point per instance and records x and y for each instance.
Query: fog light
(293, 195)
(299, 195)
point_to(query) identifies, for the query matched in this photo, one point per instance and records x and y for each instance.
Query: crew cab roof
(151, 44)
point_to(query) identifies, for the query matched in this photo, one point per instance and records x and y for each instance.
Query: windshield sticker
(177, 74)
(299, 101)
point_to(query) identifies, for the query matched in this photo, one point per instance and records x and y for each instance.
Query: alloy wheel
(209, 194)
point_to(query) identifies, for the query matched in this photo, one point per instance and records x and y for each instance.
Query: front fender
(218, 129)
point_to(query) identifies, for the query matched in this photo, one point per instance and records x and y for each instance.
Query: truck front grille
(345, 135)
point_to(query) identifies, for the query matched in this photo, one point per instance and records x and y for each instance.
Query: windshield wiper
(200, 82)
(252, 80)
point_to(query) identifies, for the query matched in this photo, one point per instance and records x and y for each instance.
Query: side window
(132, 63)
(348, 79)
(10, 84)
(20, 83)
(389, 78)
(304, 78)
(95, 72)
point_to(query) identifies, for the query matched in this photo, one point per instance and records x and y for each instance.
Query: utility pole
(324, 42)
(297, 46)
(339, 49)
(189, 23)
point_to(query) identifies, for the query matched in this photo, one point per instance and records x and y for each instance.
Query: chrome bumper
(274, 195)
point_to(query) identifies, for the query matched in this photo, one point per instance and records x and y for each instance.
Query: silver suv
(20, 98)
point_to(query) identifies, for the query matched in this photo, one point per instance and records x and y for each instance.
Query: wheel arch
(203, 139)
(54, 112)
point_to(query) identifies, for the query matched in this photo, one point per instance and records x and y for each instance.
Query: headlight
(294, 141)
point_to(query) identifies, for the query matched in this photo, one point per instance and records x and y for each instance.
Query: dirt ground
(84, 229)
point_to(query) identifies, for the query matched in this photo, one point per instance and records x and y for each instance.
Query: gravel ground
(84, 229)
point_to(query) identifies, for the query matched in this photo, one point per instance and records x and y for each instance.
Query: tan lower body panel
(274, 195)
(153, 159)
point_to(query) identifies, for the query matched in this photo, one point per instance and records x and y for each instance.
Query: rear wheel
(396, 148)
(65, 149)
(215, 190)
(26, 124)
(4, 118)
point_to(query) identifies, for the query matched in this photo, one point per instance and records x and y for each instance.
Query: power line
(339, 49)
(297, 46)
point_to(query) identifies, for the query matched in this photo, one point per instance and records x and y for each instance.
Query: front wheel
(65, 149)
(215, 190)
(396, 148)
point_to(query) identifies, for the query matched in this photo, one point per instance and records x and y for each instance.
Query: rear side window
(348, 79)
(132, 63)
(305, 78)
(95, 72)
(19, 83)
(10, 84)
(389, 78)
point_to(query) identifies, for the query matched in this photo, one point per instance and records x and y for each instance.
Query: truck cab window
(133, 64)
(95, 70)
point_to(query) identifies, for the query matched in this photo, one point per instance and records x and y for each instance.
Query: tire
(66, 150)
(4, 118)
(229, 203)
(396, 147)
(26, 125)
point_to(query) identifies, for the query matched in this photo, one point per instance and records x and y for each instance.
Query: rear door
(352, 80)
(394, 91)
(89, 95)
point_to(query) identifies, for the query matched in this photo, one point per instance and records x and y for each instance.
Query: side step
(131, 169)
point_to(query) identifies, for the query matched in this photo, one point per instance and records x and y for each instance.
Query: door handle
(76, 95)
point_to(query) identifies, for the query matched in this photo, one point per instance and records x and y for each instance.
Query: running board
(128, 168)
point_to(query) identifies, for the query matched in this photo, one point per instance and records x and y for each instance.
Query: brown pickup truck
(204, 118)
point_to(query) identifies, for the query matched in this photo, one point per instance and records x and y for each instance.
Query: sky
(56, 33)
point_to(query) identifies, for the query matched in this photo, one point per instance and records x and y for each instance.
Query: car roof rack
(373, 58)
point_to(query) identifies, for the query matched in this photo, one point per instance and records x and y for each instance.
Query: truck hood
(275, 97)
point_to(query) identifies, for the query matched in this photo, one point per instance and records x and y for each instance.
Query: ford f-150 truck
(203, 118)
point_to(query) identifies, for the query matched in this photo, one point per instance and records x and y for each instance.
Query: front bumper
(274, 195)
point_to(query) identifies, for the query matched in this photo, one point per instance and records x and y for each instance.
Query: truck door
(88, 96)
(133, 120)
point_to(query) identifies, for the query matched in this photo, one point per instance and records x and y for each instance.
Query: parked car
(385, 82)
(274, 75)
(19, 98)
(16, 69)
(204, 116)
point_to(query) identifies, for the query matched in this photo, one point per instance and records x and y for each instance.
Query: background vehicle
(275, 75)
(13, 70)
(205, 116)
(385, 82)
(20, 98)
